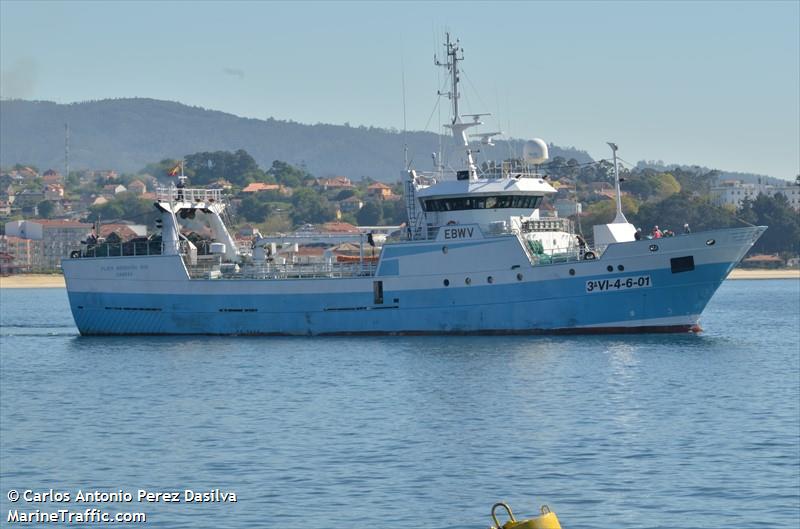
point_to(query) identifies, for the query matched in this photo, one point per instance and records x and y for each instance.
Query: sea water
(406, 432)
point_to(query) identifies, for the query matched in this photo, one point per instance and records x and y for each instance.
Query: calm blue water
(399, 432)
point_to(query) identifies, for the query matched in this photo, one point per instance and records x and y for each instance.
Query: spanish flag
(175, 170)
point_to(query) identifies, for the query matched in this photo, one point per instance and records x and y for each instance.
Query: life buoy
(75, 254)
(589, 256)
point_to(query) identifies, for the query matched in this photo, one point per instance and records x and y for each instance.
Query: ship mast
(620, 217)
(459, 128)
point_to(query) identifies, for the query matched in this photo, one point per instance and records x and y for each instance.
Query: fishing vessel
(476, 257)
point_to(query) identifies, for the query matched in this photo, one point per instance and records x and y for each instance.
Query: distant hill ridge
(751, 178)
(127, 134)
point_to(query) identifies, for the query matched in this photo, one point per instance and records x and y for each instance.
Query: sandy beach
(32, 281)
(744, 273)
(57, 281)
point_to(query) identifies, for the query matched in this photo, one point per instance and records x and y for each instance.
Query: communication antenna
(66, 150)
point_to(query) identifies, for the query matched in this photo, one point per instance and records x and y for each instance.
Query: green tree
(394, 212)
(604, 211)
(254, 208)
(370, 215)
(649, 184)
(344, 194)
(46, 209)
(125, 206)
(679, 209)
(161, 169)
(287, 174)
(238, 167)
(309, 206)
(783, 235)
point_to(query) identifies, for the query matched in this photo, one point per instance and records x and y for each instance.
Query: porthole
(572, 271)
(620, 268)
(490, 280)
(653, 247)
(711, 242)
(446, 282)
(610, 268)
(468, 281)
(519, 277)
(444, 249)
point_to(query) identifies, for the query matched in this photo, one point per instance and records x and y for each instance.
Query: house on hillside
(52, 177)
(338, 227)
(26, 173)
(337, 182)
(53, 192)
(351, 205)
(257, 187)
(221, 184)
(110, 190)
(125, 231)
(137, 187)
(248, 231)
(762, 261)
(28, 197)
(380, 191)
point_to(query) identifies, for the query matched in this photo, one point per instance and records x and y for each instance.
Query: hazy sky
(708, 83)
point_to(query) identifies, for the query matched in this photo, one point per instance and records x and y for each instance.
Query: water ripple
(402, 432)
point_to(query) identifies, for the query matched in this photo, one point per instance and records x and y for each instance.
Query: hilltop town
(45, 214)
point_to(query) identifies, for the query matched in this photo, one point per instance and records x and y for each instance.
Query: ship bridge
(485, 201)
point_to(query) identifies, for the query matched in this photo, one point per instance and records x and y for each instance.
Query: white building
(734, 192)
(790, 191)
(58, 238)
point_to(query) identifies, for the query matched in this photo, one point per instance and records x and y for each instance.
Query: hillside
(126, 134)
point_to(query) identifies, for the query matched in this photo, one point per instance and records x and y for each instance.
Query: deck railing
(121, 249)
(212, 270)
(548, 224)
(188, 194)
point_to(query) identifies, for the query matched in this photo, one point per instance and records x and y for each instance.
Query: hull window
(682, 264)
(377, 291)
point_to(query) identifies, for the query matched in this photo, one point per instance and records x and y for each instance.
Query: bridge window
(485, 202)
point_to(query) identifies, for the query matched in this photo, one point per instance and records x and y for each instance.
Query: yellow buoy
(546, 520)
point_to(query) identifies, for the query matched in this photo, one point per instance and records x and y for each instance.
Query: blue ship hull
(576, 297)
(558, 306)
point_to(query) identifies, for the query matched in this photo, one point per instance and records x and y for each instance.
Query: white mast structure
(618, 230)
(620, 218)
(459, 128)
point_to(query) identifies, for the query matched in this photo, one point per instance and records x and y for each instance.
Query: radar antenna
(455, 53)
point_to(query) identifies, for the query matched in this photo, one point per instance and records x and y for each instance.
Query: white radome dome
(535, 151)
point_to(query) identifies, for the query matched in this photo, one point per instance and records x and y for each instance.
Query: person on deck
(657, 233)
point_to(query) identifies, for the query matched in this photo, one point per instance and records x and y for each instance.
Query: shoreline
(57, 281)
